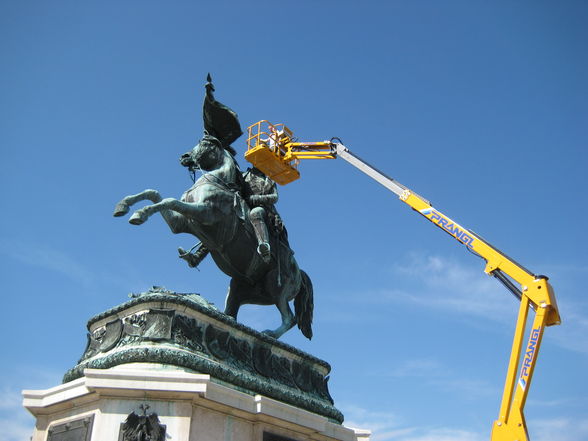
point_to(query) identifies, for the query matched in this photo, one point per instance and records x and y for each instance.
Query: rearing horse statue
(214, 211)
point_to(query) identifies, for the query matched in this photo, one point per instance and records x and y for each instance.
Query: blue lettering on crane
(449, 226)
(529, 354)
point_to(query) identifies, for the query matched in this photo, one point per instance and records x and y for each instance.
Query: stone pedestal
(167, 366)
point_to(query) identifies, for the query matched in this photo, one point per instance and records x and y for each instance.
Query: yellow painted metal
(536, 294)
(280, 171)
(538, 290)
(272, 149)
(266, 151)
(514, 362)
(511, 423)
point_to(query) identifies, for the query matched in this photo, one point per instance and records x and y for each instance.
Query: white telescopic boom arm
(388, 182)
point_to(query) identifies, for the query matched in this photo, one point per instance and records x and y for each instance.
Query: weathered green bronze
(219, 120)
(186, 331)
(230, 212)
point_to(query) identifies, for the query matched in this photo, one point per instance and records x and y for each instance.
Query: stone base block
(169, 403)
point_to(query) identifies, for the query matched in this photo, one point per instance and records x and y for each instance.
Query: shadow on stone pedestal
(171, 366)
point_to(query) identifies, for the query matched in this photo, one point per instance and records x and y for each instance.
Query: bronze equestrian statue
(234, 217)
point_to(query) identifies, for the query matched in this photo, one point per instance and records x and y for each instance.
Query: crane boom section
(535, 292)
(495, 259)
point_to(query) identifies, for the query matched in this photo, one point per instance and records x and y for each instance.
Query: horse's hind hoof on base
(271, 333)
(137, 218)
(121, 209)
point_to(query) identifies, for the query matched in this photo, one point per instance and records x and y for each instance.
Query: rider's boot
(194, 258)
(257, 217)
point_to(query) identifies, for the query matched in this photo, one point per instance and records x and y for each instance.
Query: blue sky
(478, 106)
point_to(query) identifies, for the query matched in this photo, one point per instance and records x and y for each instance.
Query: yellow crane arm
(273, 149)
(535, 293)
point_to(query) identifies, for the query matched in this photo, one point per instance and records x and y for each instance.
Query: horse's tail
(304, 306)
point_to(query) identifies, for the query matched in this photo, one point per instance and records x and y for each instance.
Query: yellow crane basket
(267, 150)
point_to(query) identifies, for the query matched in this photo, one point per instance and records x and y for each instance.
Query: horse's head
(207, 155)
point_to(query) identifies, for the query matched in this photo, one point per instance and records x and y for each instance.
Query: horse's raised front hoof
(137, 218)
(121, 209)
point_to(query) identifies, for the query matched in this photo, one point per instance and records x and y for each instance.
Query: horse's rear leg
(288, 319)
(123, 206)
(240, 293)
(232, 302)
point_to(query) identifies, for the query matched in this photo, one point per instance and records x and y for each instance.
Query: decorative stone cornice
(184, 330)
